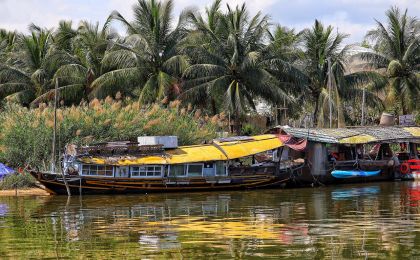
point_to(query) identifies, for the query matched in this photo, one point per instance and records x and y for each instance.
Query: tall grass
(26, 134)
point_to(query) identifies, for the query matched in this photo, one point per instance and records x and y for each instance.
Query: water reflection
(3, 209)
(368, 221)
(351, 193)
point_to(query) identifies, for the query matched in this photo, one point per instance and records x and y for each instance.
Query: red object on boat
(297, 144)
(414, 164)
(284, 138)
(404, 168)
(410, 166)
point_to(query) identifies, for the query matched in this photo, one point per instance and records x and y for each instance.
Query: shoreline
(24, 192)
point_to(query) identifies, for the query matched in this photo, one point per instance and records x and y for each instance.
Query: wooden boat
(126, 167)
(344, 155)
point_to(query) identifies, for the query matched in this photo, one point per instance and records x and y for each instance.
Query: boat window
(97, 170)
(146, 171)
(221, 169)
(121, 171)
(195, 170)
(177, 170)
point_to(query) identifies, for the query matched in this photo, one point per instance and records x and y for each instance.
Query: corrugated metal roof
(219, 151)
(356, 135)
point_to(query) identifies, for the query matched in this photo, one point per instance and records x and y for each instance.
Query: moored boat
(354, 154)
(144, 166)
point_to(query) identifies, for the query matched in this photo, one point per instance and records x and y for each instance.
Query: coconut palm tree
(81, 52)
(321, 45)
(27, 71)
(395, 55)
(7, 43)
(229, 62)
(147, 58)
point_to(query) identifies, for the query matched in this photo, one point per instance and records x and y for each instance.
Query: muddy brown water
(363, 221)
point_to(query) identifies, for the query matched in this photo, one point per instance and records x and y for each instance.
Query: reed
(26, 134)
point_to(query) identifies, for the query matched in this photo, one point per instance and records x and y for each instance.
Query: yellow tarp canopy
(358, 139)
(219, 151)
(415, 131)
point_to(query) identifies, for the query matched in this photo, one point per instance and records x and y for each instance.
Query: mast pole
(62, 170)
(55, 127)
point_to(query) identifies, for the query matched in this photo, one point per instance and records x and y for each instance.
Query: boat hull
(54, 183)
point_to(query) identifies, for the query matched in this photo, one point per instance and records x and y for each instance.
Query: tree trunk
(316, 110)
(237, 124)
(213, 106)
(404, 110)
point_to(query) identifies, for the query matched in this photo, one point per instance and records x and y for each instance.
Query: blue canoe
(342, 174)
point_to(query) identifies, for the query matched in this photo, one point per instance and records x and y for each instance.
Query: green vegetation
(26, 134)
(395, 57)
(218, 61)
(16, 181)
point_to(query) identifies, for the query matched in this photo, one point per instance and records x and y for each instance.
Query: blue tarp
(5, 170)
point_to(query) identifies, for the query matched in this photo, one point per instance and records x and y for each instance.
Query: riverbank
(24, 192)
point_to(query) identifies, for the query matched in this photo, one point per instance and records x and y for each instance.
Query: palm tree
(27, 71)
(81, 52)
(229, 62)
(321, 45)
(147, 58)
(7, 44)
(396, 57)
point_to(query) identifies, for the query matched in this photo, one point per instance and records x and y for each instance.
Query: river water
(364, 221)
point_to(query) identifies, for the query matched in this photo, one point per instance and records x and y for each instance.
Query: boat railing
(109, 149)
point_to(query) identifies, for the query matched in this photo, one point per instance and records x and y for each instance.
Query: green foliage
(395, 55)
(13, 181)
(218, 60)
(229, 60)
(250, 129)
(26, 134)
(147, 59)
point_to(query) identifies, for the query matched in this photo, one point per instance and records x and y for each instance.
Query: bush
(250, 129)
(17, 181)
(26, 134)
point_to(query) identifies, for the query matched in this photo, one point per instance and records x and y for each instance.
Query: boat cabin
(151, 160)
(155, 171)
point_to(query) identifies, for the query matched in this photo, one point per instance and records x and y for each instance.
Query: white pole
(363, 106)
(329, 90)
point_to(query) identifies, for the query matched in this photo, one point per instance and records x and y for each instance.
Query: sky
(352, 17)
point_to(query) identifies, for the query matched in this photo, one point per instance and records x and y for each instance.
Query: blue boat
(343, 174)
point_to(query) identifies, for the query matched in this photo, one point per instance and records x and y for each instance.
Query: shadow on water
(380, 220)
